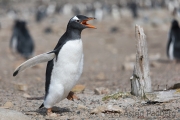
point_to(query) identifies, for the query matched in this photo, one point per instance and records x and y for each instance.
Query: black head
(20, 24)
(80, 22)
(175, 24)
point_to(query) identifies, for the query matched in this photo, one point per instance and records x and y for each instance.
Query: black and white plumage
(173, 46)
(65, 62)
(21, 41)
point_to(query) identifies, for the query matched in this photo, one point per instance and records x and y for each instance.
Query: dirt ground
(105, 53)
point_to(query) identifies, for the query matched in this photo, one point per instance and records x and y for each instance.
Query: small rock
(26, 95)
(53, 115)
(12, 115)
(95, 111)
(21, 87)
(143, 102)
(8, 105)
(100, 76)
(154, 64)
(128, 101)
(107, 108)
(102, 114)
(78, 88)
(81, 106)
(98, 109)
(78, 112)
(113, 108)
(128, 66)
(101, 90)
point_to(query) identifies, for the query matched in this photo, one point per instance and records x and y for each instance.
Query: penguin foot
(72, 96)
(49, 111)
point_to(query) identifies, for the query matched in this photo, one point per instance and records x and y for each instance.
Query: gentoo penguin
(21, 41)
(173, 46)
(41, 13)
(65, 63)
(134, 9)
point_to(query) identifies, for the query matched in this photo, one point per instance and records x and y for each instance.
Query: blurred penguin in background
(134, 9)
(173, 46)
(41, 13)
(21, 41)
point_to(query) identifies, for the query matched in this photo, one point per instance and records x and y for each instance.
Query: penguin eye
(78, 21)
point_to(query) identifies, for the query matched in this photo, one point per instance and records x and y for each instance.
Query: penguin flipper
(42, 105)
(45, 57)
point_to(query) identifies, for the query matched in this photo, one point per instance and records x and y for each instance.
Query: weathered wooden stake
(141, 81)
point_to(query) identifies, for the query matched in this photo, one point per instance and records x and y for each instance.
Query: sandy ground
(105, 53)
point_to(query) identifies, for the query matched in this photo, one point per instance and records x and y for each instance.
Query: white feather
(75, 18)
(66, 72)
(171, 49)
(14, 44)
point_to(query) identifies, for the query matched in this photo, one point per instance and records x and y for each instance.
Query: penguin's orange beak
(84, 22)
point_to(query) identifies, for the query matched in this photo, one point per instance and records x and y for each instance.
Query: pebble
(98, 109)
(113, 108)
(81, 106)
(102, 114)
(26, 95)
(8, 105)
(101, 90)
(53, 115)
(21, 87)
(107, 108)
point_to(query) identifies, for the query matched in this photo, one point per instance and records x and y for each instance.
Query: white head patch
(75, 18)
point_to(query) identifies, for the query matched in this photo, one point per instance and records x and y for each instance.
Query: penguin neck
(73, 34)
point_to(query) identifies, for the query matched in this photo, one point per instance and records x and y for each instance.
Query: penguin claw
(72, 96)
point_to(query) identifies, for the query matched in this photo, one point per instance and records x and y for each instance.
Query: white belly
(14, 44)
(66, 72)
(171, 49)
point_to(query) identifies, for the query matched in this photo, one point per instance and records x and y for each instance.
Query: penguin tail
(41, 106)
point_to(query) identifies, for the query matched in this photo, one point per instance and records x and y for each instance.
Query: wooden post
(141, 81)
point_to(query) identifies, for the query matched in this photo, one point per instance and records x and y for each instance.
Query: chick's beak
(84, 22)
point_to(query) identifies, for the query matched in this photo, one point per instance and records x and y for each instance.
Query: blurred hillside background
(109, 50)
